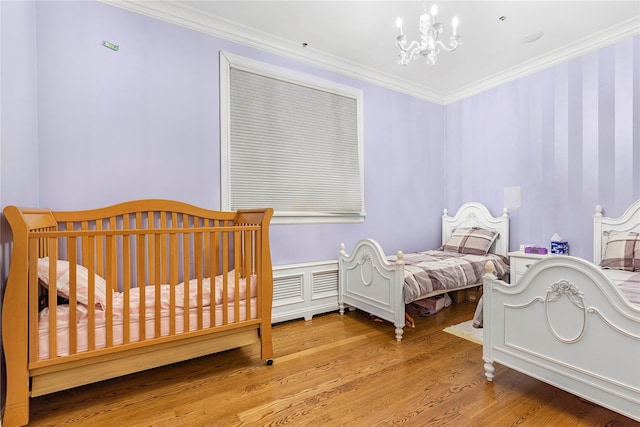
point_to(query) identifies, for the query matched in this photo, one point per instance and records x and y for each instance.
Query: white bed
(567, 323)
(371, 282)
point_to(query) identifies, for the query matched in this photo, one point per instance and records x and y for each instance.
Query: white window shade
(291, 143)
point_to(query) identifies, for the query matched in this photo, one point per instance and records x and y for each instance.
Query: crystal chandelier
(429, 46)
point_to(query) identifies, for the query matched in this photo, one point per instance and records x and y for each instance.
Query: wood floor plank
(330, 371)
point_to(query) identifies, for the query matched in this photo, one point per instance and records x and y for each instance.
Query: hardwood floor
(331, 371)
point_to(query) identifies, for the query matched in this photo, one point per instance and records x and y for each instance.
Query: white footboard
(371, 283)
(565, 323)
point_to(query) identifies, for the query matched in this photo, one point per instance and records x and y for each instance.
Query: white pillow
(82, 282)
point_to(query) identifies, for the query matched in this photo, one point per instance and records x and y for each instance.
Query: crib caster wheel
(269, 362)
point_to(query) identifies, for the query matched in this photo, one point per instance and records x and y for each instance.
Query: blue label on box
(560, 248)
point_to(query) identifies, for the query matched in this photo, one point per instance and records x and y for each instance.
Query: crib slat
(84, 225)
(111, 284)
(99, 245)
(73, 296)
(53, 297)
(173, 269)
(91, 290)
(248, 262)
(126, 281)
(113, 267)
(246, 253)
(198, 271)
(217, 248)
(186, 273)
(141, 265)
(164, 278)
(212, 242)
(236, 277)
(208, 239)
(225, 277)
(208, 244)
(151, 221)
(157, 300)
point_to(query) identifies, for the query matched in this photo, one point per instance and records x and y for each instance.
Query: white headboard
(602, 225)
(475, 214)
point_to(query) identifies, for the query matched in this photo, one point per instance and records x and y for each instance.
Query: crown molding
(588, 44)
(186, 16)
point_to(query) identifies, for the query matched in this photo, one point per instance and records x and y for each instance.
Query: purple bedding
(434, 270)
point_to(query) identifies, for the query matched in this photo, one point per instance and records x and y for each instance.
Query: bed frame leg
(399, 331)
(489, 369)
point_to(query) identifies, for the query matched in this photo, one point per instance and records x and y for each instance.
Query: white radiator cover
(304, 290)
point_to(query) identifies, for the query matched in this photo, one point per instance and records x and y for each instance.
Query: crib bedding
(100, 329)
(197, 318)
(435, 270)
(628, 282)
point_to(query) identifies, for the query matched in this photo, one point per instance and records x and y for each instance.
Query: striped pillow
(473, 241)
(620, 249)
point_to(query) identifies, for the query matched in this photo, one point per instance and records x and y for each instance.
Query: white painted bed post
(597, 235)
(341, 258)
(400, 309)
(487, 326)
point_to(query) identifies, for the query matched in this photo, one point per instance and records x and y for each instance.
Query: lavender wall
(18, 125)
(143, 122)
(568, 136)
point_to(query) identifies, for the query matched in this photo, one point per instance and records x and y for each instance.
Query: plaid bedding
(425, 272)
(619, 250)
(628, 283)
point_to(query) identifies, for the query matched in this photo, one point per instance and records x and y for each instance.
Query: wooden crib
(146, 283)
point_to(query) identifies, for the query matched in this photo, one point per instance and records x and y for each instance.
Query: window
(290, 142)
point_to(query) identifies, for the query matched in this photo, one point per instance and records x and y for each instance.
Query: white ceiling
(357, 38)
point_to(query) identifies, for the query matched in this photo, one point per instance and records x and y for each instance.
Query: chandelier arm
(412, 46)
(454, 46)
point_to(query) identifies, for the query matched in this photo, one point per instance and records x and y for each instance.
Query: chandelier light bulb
(429, 46)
